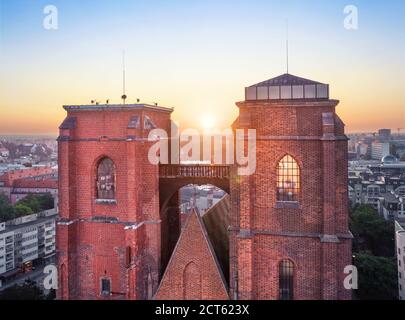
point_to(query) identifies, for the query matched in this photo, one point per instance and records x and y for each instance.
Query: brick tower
(108, 235)
(290, 236)
(281, 234)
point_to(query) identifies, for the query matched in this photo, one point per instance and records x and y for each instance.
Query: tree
(27, 291)
(372, 232)
(377, 277)
(29, 205)
(22, 210)
(32, 202)
(7, 211)
(37, 202)
(46, 201)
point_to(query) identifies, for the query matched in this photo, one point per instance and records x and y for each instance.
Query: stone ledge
(245, 234)
(287, 205)
(329, 238)
(106, 201)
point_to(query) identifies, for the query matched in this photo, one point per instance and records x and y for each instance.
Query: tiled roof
(33, 183)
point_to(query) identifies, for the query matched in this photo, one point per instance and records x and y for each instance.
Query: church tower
(108, 235)
(289, 236)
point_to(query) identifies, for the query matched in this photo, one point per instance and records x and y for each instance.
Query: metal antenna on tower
(287, 53)
(124, 96)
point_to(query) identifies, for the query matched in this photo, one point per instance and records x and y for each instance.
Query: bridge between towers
(178, 175)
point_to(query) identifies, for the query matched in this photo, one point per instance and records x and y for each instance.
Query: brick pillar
(132, 181)
(65, 184)
(245, 266)
(329, 240)
(131, 254)
(245, 241)
(153, 235)
(62, 237)
(151, 215)
(66, 213)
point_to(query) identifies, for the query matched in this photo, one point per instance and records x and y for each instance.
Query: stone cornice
(116, 107)
(323, 237)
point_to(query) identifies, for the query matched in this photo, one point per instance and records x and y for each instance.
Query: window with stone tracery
(288, 179)
(105, 184)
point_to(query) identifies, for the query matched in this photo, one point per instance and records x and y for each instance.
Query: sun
(207, 122)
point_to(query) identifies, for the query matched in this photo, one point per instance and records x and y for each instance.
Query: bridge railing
(194, 171)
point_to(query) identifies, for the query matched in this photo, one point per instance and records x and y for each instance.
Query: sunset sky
(197, 56)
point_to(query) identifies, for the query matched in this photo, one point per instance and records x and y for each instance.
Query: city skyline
(196, 57)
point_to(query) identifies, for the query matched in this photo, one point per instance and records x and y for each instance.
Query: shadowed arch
(191, 282)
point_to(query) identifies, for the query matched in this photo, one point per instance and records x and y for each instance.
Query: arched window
(105, 179)
(192, 282)
(288, 179)
(286, 280)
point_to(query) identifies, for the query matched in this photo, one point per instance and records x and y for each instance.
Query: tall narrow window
(106, 179)
(286, 280)
(288, 179)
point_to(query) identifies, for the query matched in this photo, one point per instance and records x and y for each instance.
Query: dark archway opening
(177, 200)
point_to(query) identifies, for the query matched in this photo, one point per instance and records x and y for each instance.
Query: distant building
(26, 241)
(392, 205)
(380, 184)
(352, 155)
(200, 197)
(384, 134)
(17, 184)
(6, 249)
(35, 185)
(362, 150)
(379, 150)
(4, 152)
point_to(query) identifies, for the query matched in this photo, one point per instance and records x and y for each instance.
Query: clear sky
(197, 56)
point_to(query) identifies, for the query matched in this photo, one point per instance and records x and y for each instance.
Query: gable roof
(217, 221)
(193, 246)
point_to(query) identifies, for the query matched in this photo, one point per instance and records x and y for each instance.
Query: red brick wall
(314, 235)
